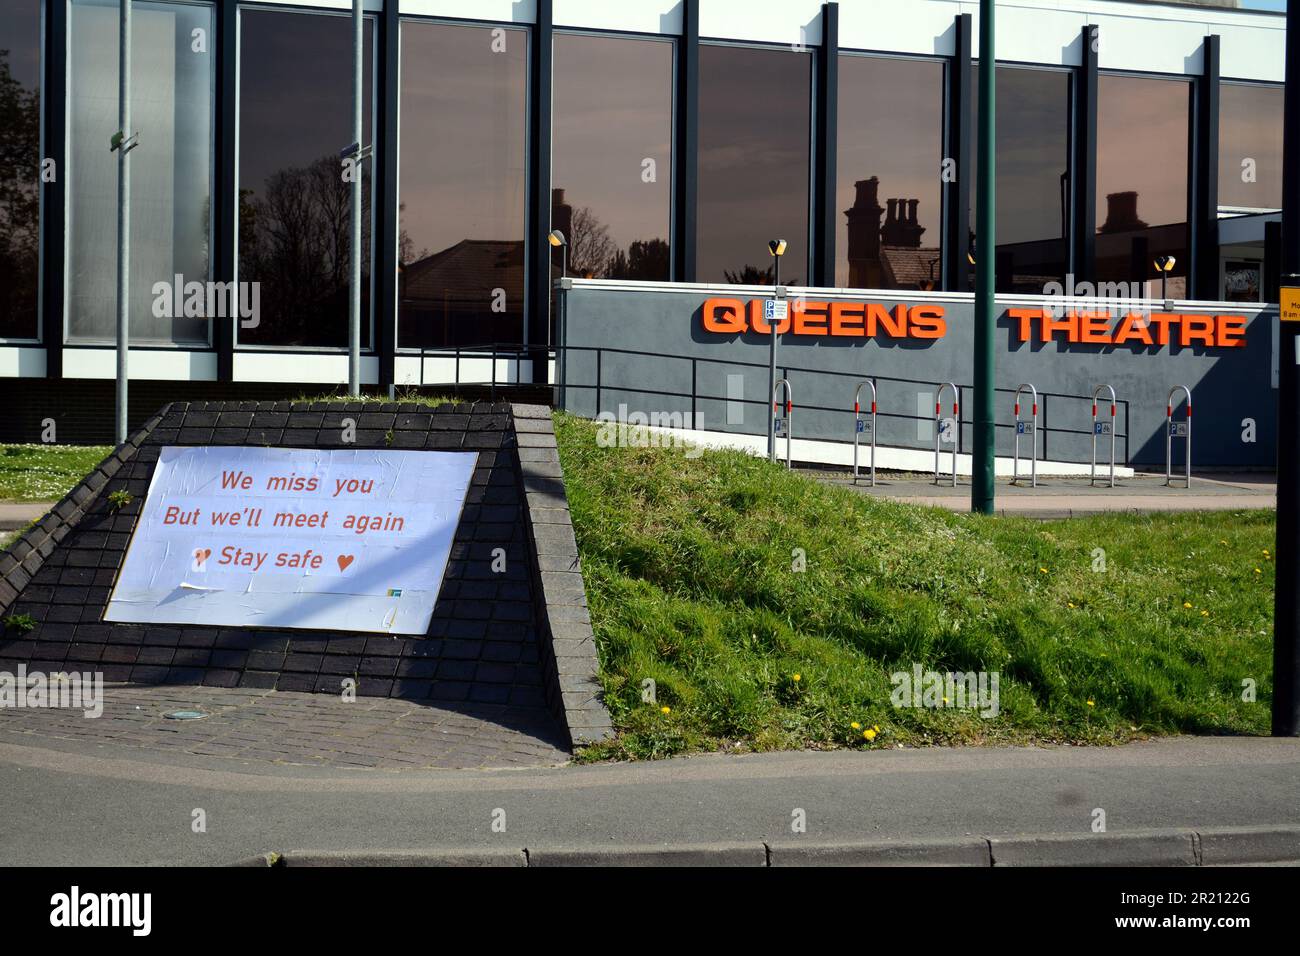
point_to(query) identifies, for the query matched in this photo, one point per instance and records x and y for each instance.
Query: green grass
(688, 566)
(45, 472)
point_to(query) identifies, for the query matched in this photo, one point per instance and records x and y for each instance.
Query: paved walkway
(1068, 497)
(281, 728)
(15, 515)
(75, 802)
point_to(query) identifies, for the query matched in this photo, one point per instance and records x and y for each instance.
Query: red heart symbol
(201, 556)
(344, 561)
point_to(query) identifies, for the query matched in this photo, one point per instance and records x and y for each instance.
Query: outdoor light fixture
(557, 240)
(1164, 265)
(777, 248)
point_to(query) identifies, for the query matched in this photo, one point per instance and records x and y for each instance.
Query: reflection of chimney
(1122, 213)
(561, 213)
(902, 230)
(864, 234)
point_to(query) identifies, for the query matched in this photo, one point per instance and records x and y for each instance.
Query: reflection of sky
(1250, 127)
(613, 110)
(463, 129)
(1033, 137)
(20, 34)
(891, 127)
(1142, 129)
(754, 156)
(295, 90)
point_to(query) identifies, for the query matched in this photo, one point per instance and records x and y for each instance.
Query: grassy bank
(1101, 629)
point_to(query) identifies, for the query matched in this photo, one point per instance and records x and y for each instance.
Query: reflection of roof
(910, 268)
(464, 270)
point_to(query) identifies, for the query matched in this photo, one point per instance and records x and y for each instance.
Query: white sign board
(345, 540)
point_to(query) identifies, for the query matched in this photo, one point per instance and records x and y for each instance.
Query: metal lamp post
(776, 249)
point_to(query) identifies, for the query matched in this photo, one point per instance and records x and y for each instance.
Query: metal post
(982, 426)
(859, 426)
(789, 418)
(956, 427)
(1033, 438)
(354, 305)
(1170, 427)
(771, 361)
(1286, 589)
(1096, 394)
(123, 145)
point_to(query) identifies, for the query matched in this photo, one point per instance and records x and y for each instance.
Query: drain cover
(185, 715)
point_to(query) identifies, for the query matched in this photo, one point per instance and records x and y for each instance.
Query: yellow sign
(1290, 311)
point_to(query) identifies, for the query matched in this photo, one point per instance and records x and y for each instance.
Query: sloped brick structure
(518, 639)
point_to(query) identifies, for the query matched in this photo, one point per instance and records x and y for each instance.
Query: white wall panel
(640, 16)
(321, 369)
(152, 364)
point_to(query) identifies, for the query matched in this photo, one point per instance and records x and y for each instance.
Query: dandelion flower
(855, 725)
(1205, 614)
(869, 734)
(1091, 704)
(665, 710)
(1258, 571)
(876, 728)
(1043, 570)
(797, 678)
(1187, 604)
(1069, 603)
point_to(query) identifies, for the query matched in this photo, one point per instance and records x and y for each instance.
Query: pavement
(16, 515)
(93, 800)
(1071, 497)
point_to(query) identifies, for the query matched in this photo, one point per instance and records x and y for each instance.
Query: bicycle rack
(788, 420)
(1029, 428)
(1103, 428)
(864, 424)
(1174, 430)
(952, 434)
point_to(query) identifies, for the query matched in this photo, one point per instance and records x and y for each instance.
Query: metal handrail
(789, 420)
(938, 427)
(1171, 427)
(1096, 393)
(858, 425)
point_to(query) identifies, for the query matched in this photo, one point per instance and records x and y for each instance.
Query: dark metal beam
(383, 192)
(1203, 270)
(54, 100)
(686, 163)
(958, 166)
(1083, 169)
(226, 202)
(828, 90)
(538, 295)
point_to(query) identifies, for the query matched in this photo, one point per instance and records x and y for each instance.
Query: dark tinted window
(753, 176)
(1142, 138)
(20, 160)
(890, 153)
(612, 155)
(462, 185)
(295, 114)
(1250, 146)
(1033, 156)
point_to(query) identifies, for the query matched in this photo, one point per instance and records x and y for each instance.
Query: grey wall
(664, 324)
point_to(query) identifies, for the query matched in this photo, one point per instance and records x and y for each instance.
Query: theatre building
(575, 198)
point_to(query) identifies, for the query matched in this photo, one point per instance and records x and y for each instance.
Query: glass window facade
(1033, 186)
(20, 160)
(295, 114)
(1250, 146)
(890, 150)
(171, 172)
(462, 185)
(754, 154)
(1143, 129)
(611, 155)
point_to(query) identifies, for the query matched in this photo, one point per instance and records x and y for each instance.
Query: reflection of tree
(590, 248)
(752, 275)
(20, 139)
(295, 240)
(645, 259)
